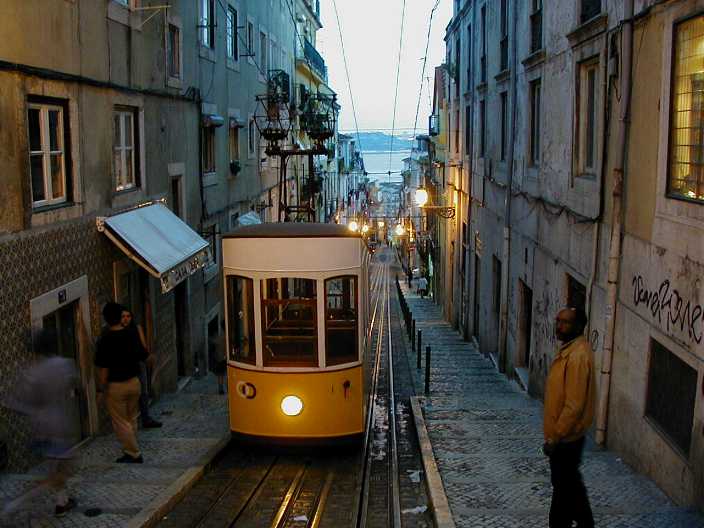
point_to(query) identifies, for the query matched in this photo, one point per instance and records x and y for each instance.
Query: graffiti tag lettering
(667, 303)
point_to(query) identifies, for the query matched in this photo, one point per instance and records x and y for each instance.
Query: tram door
(62, 324)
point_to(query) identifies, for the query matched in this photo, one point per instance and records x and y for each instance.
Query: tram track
(294, 489)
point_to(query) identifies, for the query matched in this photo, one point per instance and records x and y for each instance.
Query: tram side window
(289, 322)
(240, 305)
(341, 320)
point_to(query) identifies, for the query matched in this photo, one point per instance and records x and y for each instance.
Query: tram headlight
(291, 405)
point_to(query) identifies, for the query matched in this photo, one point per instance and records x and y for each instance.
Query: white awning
(159, 241)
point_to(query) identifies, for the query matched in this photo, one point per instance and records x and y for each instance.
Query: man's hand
(549, 448)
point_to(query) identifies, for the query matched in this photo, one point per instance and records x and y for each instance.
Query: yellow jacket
(570, 392)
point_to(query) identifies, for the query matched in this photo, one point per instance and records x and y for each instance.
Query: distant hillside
(380, 142)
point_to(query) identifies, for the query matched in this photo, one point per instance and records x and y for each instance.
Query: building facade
(574, 130)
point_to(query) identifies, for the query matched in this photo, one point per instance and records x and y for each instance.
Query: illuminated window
(240, 307)
(341, 320)
(686, 174)
(289, 322)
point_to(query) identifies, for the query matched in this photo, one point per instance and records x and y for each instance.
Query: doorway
(477, 291)
(62, 327)
(180, 318)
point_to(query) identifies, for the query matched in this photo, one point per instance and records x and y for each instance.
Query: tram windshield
(289, 322)
(240, 306)
(341, 320)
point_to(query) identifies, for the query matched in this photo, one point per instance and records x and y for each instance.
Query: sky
(371, 30)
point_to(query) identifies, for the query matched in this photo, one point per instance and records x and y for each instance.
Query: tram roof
(292, 230)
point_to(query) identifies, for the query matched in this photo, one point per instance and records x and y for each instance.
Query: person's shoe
(60, 511)
(129, 459)
(151, 424)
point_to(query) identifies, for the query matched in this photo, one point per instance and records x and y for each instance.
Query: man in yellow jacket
(569, 410)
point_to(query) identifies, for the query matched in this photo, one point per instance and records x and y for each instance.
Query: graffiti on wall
(670, 308)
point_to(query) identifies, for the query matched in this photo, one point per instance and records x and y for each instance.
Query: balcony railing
(315, 59)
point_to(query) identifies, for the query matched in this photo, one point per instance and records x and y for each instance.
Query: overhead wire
(347, 73)
(398, 72)
(425, 61)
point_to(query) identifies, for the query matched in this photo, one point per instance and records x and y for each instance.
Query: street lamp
(365, 229)
(353, 226)
(381, 223)
(399, 230)
(421, 198)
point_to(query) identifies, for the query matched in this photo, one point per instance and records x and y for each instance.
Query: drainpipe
(503, 328)
(616, 223)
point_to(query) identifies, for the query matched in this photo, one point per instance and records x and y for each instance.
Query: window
(233, 51)
(240, 328)
(468, 131)
(458, 66)
(289, 322)
(469, 57)
(482, 128)
(208, 134)
(535, 122)
(587, 117)
(496, 264)
(173, 51)
(234, 141)
(672, 386)
(341, 308)
(536, 26)
(686, 174)
(482, 58)
(251, 137)
(47, 153)
(124, 164)
(207, 23)
(504, 124)
(590, 9)
(263, 55)
(457, 131)
(250, 40)
(503, 44)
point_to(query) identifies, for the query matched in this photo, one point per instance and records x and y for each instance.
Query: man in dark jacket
(118, 354)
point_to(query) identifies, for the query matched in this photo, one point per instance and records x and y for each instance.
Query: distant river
(379, 162)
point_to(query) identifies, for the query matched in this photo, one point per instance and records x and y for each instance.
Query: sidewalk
(486, 436)
(195, 426)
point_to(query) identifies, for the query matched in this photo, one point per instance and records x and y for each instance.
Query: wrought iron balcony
(315, 59)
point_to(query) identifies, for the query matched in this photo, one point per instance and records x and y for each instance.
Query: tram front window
(240, 306)
(340, 320)
(289, 328)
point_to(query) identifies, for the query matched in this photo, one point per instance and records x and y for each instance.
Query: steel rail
(292, 493)
(395, 498)
(367, 452)
(321, 501)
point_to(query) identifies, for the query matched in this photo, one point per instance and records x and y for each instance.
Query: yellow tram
(296, 319)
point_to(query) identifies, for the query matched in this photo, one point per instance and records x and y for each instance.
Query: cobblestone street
(487, 438)
(195, 420)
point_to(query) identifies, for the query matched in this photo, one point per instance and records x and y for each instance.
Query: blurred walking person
(118, 354)
(43, 393)
(144, 367)
(218, 357)
(569, 411)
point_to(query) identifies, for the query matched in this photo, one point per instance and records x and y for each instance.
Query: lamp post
(421, 197)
